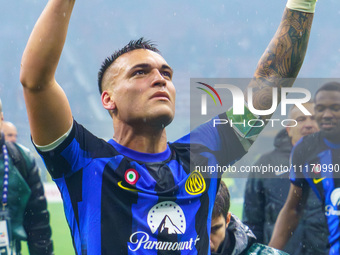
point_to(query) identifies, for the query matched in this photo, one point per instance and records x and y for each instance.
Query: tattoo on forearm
(283, 58)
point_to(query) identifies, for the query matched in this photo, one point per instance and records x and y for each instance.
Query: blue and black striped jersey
(316, 163)
(120, 201)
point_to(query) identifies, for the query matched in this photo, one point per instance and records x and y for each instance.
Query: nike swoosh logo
(316, 181)
(126, 188)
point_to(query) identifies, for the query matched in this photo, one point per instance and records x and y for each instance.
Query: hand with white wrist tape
(302, 5)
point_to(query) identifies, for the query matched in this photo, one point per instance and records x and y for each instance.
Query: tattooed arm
(283, 58)
(277, 68)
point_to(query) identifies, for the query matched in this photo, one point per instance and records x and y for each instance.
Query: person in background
(265, 195)
(10, 131)
(229, 236)
(315, 162)
(24, 215)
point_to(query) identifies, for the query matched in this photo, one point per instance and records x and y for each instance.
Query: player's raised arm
(277, 68)
(284, 55)
(47, 106)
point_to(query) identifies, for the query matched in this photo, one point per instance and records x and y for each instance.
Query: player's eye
(167, 74)
(138, 72)
(214, 230)
(335, 108)
(301, 118)
(319, 108)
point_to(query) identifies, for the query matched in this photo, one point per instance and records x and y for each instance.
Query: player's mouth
(161, 95)
(327, 125)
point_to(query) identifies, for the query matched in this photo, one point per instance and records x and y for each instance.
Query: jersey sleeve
(73, 154)
(220, 138)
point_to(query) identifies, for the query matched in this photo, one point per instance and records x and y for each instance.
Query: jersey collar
(331, 145)
(140, 156)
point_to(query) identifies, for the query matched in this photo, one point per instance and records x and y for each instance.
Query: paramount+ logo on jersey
(167, 231)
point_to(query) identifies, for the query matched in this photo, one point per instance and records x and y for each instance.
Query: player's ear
(108, 100)
(228, 219)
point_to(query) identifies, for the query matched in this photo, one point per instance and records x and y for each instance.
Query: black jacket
(238, 238)
(264, 198)
(27, 204)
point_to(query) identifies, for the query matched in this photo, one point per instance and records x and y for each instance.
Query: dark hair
(141, 43)
(329, 86)
(222, 202)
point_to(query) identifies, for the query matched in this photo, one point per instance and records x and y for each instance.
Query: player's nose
(158, 79)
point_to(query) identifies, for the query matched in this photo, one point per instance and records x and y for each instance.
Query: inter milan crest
(195, 183)
(131, 176)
